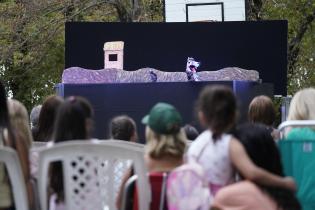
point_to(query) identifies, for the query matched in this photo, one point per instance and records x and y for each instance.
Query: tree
(32, 38)
(301, 38)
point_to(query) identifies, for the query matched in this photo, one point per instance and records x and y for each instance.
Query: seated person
(302, 108)
(165, 146)
(73, 122)
(123, 128)
(246, 195)
(261, 110)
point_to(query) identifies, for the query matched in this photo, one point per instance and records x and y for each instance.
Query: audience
(73, 122)
(261, 110)
(251, 153)
(217, 151)
(302, 107)
(34, 117)
(47, 118)
(123, 128)
(247, 195)
(17, 136)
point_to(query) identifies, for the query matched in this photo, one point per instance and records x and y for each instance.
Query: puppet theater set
(141, 64)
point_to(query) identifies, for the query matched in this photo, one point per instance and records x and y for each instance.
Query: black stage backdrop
(260, 46)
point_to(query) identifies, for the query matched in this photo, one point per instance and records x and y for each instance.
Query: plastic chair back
(10, 159)
(89, 170)
(298, 160)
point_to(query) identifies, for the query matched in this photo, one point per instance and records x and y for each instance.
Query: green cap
(163, 119)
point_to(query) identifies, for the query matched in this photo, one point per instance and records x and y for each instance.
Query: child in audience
(47, 118)
(165, 140)
(218, 152)
(165, 146)
(12, 136)
(262, 110)
(302, 107)
(247, 195)
(73, 122)
(123, 128)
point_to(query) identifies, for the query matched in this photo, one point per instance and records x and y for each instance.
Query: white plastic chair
(10, 159)
(89, 173)
(294, 123)
(37, 144)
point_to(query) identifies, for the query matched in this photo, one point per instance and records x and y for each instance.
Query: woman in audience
(247, 195)
(73, 122)
(47, 118)
(217, 151)
(302, 107)
(13, 136)
(123, 128)
(262, 110)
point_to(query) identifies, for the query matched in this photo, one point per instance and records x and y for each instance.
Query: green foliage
(32, 37)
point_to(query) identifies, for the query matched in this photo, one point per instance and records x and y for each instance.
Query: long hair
(4, 113)
(71, 124)
(218, 105)
(47, 118)
(4, 117)
(262, 150)
(72, 119)
(19, 120)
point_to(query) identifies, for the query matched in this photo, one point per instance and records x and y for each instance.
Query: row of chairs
(93, 171)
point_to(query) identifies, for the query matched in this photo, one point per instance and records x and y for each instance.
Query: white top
(214, 157)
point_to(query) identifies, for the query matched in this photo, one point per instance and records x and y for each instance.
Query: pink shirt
(243, 196)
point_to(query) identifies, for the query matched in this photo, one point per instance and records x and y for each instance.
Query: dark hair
(191, 132)
(261, 110)
(47, 118)
(4, 116)
(218, 105)
(71, 119)
(4, 112)
(122, 128)
(263, 151)
(70, 125)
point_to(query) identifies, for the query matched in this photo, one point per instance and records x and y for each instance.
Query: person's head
(19, 120)
(74, 120)
(123, 128)
(34, 116)
(191, 132)
(217, 109)
(164, 136)
(261, 110)
(47, 117)
(302, 105)
(260, 146)
(263, 151)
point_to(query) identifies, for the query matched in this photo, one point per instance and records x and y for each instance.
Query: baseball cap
(163, 118)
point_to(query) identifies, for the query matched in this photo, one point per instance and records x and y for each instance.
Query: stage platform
(136, 99)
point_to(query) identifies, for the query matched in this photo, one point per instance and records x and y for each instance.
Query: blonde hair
(19, 120)
(302, 106)
(160, 145)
